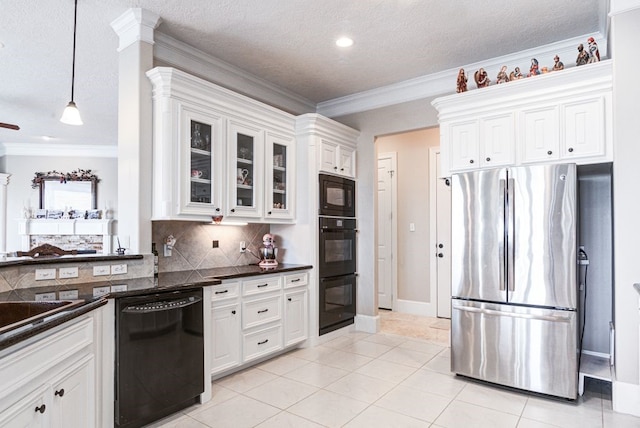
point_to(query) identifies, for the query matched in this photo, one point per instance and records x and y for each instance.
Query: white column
(135, 28)
(4, 182)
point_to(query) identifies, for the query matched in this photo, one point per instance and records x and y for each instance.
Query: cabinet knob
(341, 169)
(549, 152)
(41, 409)
(269, 213)
(59, 393)
(440, 246)
(233, 210)
(440, 255)
(289, 298)
(570, 149)
(217, 209)
(488, 159)
(233, 312)
(447, 182)
(470, 160)
(335, 167)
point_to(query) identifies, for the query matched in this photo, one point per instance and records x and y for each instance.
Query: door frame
(433, 231)
(394, 229)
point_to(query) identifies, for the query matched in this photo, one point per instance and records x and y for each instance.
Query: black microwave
(337, 196)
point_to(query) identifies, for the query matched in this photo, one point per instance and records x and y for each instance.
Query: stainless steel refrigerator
(514, 277)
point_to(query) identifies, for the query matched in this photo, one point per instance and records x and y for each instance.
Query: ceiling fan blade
(9, 126)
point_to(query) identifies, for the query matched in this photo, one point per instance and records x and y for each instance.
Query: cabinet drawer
(296, 279)
(225, 291)
(261, 285)
(262, 311)
(262, 342)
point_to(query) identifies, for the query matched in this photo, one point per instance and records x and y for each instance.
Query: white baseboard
(416, 308)
(367, 323)
(626, 398)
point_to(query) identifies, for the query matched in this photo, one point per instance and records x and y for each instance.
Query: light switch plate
(101, 270)
(68, 295)
(68, 272)
(119, 269)
(120, 287)
(101, 291)
(45, 297)
(44, 274)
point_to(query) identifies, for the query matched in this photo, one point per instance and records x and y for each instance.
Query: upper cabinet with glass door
(279, 177)
(245, 172)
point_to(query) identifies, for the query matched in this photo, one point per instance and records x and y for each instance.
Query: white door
(443, 240)
(387, 192)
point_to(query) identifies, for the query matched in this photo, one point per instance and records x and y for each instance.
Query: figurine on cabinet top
(557, 64)
(583, 56)
(502, 75)
(594, 54)
(461, 85)
(533, 70)
(516, 74)
(481, 78)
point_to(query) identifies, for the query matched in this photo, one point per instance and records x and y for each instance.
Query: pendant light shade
(71, 114)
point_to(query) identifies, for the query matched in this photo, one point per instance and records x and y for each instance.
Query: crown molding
(182, 56)
(135, 25)
(56, 150)
(622, 6)
(444, 83)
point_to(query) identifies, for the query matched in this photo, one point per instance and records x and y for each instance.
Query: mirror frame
(41, 178)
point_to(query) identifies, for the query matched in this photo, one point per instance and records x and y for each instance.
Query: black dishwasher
(159, 355)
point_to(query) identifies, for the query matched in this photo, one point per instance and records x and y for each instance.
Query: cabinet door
(539, 134)
(498, 140)
(73, 397)
(328, 156)
(246, 178)
(225, 337)
(28, 412)
(280, 178)
(584, 128)
(296, 317)
(201, 170)
(346, 161)
(464, 146)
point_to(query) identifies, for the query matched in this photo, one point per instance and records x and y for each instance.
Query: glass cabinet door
(280, 185)
(200, 162)
(246, 170)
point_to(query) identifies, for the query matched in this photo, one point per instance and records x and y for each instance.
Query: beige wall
(413, 177)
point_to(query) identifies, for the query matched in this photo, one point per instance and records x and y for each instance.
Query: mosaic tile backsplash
(194, 244)
(68, 242)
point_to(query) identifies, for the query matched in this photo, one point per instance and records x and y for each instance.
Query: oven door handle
(164, 305)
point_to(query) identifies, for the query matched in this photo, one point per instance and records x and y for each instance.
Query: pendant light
(71, 114)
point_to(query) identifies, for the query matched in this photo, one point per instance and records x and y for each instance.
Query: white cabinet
(50, 382)
(337, 158)
(256, 317)
(219, 153)
(557, 117)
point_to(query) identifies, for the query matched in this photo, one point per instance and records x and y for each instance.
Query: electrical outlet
(45, 297)
(101, 270)
(68, 272)
(215, 243)
(101, 291)
(119, 269)
(68, 295)
(44, 274)
(243, 246)
(117, 288)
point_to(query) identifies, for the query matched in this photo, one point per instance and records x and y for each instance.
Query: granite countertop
(18, 261)
(95, 294)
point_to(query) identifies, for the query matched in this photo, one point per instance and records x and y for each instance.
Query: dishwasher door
(159, 355)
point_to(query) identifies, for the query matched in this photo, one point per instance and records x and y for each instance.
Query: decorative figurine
(461, 84)
(557, 64)
(594, 54)
(502, 75)
(515, 74)
(481, 78)
(583, 56)
(533, 70)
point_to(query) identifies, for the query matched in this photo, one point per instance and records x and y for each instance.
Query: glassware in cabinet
(200, 162)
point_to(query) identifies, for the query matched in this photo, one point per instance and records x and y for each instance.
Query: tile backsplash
(194, 244)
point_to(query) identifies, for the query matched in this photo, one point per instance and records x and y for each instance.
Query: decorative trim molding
(623, 6)
(416, 308)
(50, 149)
(367, 323)
(135, 25)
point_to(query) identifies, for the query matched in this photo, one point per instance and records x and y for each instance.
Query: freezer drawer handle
(515, 315)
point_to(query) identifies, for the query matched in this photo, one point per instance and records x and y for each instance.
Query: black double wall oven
(337, 253)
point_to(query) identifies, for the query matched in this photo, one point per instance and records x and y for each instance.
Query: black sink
(17, 314)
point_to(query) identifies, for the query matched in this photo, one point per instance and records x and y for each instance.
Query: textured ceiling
(288, 43)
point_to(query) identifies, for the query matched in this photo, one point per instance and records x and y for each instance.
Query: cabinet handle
(549, 152)
(295, 280)
(488, 159)
(233, 210)
(570, 149)
(222, 292)
(41, 409)
(59, 393)
(269, 213)
(233, 312)
(259, 343)
(470, 160)
(289, 298)
(262, 285)
(263, 311)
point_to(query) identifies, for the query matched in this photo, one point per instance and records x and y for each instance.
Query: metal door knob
(440, 255)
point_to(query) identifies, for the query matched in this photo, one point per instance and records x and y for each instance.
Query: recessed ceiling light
(344, 42)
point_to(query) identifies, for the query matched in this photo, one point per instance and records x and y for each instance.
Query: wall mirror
(58, 191)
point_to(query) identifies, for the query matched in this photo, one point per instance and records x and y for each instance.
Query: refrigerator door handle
(555, 318)
(511, 232)
(501, 236)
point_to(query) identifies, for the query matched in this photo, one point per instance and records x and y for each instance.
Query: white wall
(413, 179)
(23, 169)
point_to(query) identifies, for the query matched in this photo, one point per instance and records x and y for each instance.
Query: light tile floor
(384, 380)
